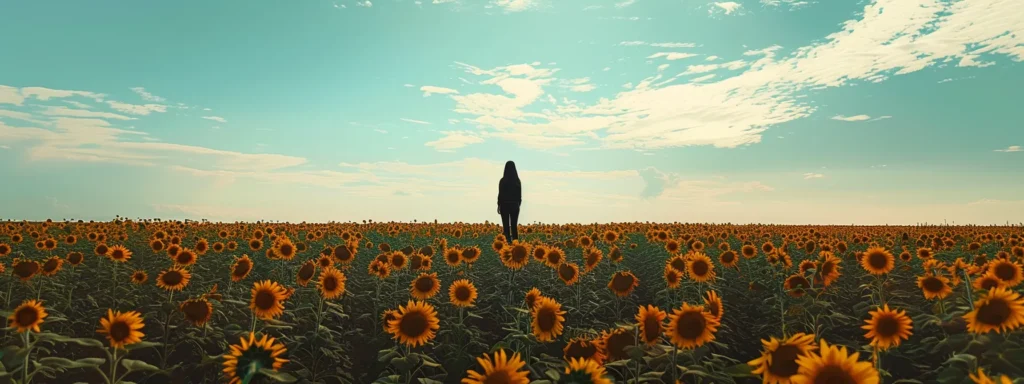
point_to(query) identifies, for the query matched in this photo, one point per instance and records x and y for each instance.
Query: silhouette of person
(510, 197)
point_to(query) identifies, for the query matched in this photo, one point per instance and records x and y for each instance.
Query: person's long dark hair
(510, 172)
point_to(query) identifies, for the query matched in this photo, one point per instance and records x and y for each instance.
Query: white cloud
(443, 1)
(851, 118)
(625, 3)
(811, 175)
(64, 111)
(1012, 148)
(414, 121)
(11, 95)
(672, 55)
(216, 118)
(365, 3)
(41, 93)
(517, 5)
(136, 109)
(728, 6)
(430, 90)
(454, 140)
(77, 104)
(381, 131)
(24, 116)
(148, 96)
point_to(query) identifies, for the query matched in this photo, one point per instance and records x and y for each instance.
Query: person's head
(510, 171)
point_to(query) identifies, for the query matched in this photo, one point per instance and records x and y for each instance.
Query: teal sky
(781, 111)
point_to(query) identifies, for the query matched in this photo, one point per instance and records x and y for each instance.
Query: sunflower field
(150, 301)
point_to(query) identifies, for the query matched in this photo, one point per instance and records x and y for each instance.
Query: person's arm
(499, 197)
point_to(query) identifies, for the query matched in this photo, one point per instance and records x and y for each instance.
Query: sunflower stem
(254, 368)
(113, 366)
(675, 369)
(967, 285)
(28, 353)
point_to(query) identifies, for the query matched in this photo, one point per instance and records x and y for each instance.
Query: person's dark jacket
(510, 193)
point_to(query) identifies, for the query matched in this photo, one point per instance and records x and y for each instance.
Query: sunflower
(583, 348)
(713, 304)
(517, 255)
(827, 271)
(218, 247)
(540, 252)
(777, 363)
(1008, 272)
(24, 269)
(584, 371)
(185, 257)
(414, 324)
(982, 378)
(934, 287)
(748, 251)
(672, 277)
(425, 286)
(197, 311)
(651, 321)
(397, 261)
(796, 285)
(139, 277)
(1000, 310)
(331, 283)
(690, 326)
(305, 273)
(232, 245)
(201, 246)
(554, 257)
(615, 254)
(532, 297)
(255, 244)
(672, 246)
(877, 261)
(174, 279)
(52, 265)
(728, 259)
(806, 265)
(617, 343)
(122, 328)
(499, 369)
(462, 293)
(4, 249)
(622, 283)
(471, 255)
(283, 248)
(267, 300)
(241, 268)
(101, 249)
(27, 316)
(264, 353)
(834, 365)
(379, 269)
(592, 257)
(699, 268)
(75, 258)
(987, 282)
(569, 273)
(172, 250)
(887, 328)
(453, 257)
(548, 318)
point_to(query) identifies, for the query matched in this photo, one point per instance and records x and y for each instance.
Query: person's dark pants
(509, 221)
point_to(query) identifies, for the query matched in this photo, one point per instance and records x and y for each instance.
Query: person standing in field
(510, 197)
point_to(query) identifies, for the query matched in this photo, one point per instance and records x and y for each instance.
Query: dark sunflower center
(413, 324)
(989, 282)
(241, 269)
(196, 311)
(691, 325)
(26, 316)
(622, 282)
(832, 374)
(330, 283)
(424, 284)
(932, 284)
(1005, 271)
(498, 377)
(784, 361)
(714, 308)
(306, 272)
(184, 258)
(877, 260)
(617, 344)
(51, 265)
(462, 293)
(519, 253)
(700, 268)
(566, 272)
(553, 258)
(265, 299)
(119, 331)
(887, 326)
(652, 328)
(530, 301)
(286, 249)
(452, 257)
(171, 278)
(546, 318)
(728, 257)
(994, 313)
